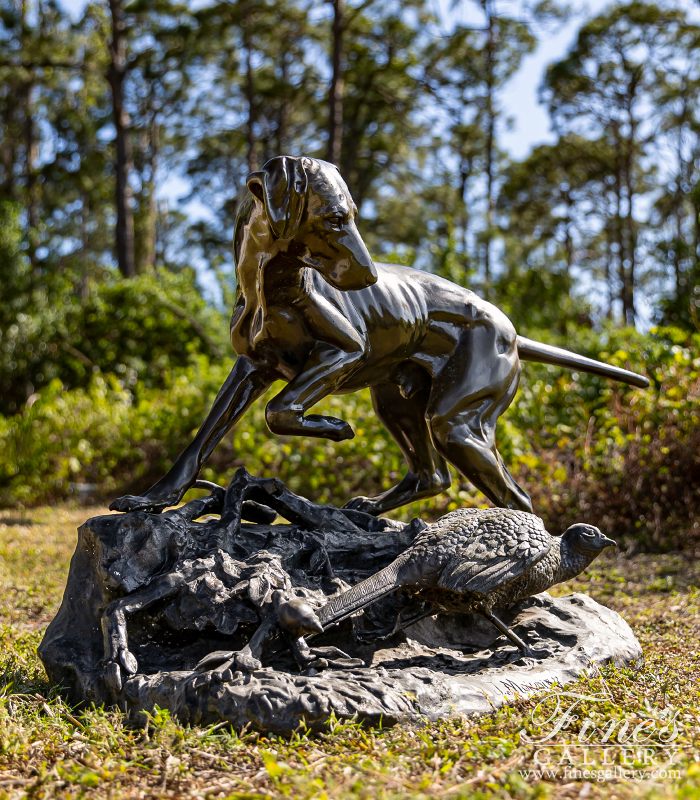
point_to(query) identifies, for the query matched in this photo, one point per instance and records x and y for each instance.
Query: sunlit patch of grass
(49, 750)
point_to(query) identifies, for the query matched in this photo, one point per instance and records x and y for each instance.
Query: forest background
(111, 350)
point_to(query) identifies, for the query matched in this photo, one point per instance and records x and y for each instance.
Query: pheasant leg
(503, 628)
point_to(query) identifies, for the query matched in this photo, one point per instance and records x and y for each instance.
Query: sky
(520, 96)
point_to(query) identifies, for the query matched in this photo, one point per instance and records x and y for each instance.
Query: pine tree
(604, 88)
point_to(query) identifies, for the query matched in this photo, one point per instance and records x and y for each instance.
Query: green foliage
(626, 458)
(583, 447)
(138, 329)
(103, 381)
(540, 299)
(110, 437)
(610, 88)
(14, 268)
(383, 94)
(212, 91)
(549, 231)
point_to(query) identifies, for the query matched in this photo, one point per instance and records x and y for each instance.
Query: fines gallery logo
(605, 747)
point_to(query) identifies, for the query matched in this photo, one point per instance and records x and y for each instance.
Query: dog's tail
(547, 354)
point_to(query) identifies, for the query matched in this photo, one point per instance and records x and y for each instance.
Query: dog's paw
(364, 504)
(246, 663)
(335, 429)
(131, 502)
(344, 433)
(238, 661)
(215, 659)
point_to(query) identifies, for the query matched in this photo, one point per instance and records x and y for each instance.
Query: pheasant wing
(504, 547)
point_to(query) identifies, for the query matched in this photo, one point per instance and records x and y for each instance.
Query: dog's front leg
(324, 371)
(244, 385)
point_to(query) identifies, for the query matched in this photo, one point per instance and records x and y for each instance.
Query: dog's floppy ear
(281, 185)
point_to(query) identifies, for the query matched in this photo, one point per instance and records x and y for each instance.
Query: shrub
(586, 449)
(137, 329)
(627, 460)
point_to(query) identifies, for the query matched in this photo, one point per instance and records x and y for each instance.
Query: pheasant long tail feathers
(361, 595)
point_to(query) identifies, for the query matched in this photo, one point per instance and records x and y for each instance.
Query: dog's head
(309, 206)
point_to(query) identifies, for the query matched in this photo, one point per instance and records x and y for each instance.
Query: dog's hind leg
(405, 420)
(471, 392)
(324, 371)
(243, 386)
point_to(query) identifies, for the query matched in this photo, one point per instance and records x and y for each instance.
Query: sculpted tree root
(181, 609)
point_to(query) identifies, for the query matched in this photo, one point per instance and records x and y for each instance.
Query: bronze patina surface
(314, 310)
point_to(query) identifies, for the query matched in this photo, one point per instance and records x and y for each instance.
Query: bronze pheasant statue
(474, 560)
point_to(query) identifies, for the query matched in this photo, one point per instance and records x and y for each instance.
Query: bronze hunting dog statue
(314, 310)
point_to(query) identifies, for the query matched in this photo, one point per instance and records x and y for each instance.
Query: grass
(49, 750)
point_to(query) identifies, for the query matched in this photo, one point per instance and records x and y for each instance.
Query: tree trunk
(630, 272)
(31, 147)
(8, 146)
(695, 205)
(678, 213)
(283, 121)
(608, 275)
(490, 136)
(619, 233)
(85, 260)
(164, 215)
(152, 204)
(250, 97)
(146, 232)
(568, 238)
(31, 158)
(116, 75)
(465, 174)
(677, 249)
(693, 197)
(335, 93)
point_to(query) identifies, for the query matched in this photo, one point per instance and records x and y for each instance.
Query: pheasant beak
(607, 542)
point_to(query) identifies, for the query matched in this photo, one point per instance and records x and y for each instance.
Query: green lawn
(49, 750)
